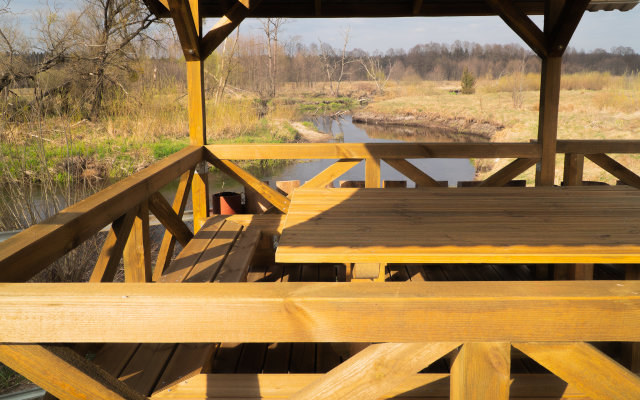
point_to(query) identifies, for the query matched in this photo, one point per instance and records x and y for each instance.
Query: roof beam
(568, 21)
(417, 7)
(318, 8)
(521, 24)
(225, 25)
(186, 28)
(158, 7)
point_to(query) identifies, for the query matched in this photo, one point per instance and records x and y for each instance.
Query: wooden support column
(481, 371)
(197, 126)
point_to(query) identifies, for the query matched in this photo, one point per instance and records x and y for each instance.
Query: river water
(343, 129)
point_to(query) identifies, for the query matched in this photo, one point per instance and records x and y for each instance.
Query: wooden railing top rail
(300, 151)
(598, 146)
(27, 253)
(320, 312)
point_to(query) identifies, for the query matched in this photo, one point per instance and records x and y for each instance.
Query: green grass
(9, 379)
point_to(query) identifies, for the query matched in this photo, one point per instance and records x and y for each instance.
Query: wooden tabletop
(466, 225)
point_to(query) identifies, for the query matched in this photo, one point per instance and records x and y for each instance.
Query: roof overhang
(376, 8)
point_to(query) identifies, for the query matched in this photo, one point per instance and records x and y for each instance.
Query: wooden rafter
(566, 25)
(271, 195)
(109, 258)
(316, 312)
(510, 171)
(521, 24)
(225, 25)
(586, 367)
(412, 172)
(186, 28)
(375, 371)
(616, 169)
(333, 172)
(161, 208)
(168, 240)
(64, 373)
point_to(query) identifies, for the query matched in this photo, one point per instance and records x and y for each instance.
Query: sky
(602, 29)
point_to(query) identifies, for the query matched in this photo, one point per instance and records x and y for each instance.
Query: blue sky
(603, 29)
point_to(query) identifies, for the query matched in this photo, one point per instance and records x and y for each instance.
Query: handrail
(29, 252)
(598, 146)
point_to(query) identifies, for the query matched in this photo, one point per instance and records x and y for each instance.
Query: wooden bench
(220, 252)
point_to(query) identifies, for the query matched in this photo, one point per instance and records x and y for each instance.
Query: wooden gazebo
(290, 303)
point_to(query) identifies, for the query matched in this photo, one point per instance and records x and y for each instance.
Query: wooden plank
(236, 266)
(187, 25)
(165, 253)
(212, 258)
(394, 184)
(412, 172)
(586, 367)
(111, 253)
(375, 371)
(279, 201)
(566, 25)
(509, 172)
(286, 188)
(32, 250)
(521, 24)
(137, 250)
(599, 146)
(331, 173)
(225, 25)
(372, 173)
(303, 151)
(161, 208)
(189, 360)
(481, 371)
(270, 224)
(114, 357)
(63, 373)
(418, 386)
(146, 365)
(573, 169)
(180, 268)
(308, 311)
(616, 169)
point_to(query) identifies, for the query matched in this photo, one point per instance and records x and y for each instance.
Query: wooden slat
(114, 357)
(137, 250)
(111, 253)
(372, 173)
(521, 24)
(64, 373)
(307, 311)
(186, 24)
(573, 169)
(225, 25)
(238, 261)
(566, 25)
(412, 172)
(215, 254)
(32, 250)
(616, 169)
(279, 201)
(180, 268)
(375, 371)
(161, 208)
(418, 386)
(586, 367)
(188, 360)
(331, 173)
(509, 172)
(481, 371)
(270, 224)
(302, 151)
(167, 246)
(146, 365)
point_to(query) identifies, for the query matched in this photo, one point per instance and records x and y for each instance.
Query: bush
(468, 82)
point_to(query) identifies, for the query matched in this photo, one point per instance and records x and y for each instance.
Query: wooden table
(466, 225)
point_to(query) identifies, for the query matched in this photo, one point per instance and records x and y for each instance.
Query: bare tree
(334, 64)
(271, 28)
(225, 62)
(112, 27)
(376, 71)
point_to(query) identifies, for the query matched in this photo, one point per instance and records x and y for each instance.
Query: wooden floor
(255, 358)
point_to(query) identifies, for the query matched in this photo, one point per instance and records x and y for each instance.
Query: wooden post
(481, 371)
(573, 169)
(549, 101)
(372, 173)
(137, 251)
(197, 128)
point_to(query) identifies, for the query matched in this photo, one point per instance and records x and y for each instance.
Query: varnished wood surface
(474, 225)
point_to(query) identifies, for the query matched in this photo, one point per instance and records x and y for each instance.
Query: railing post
(197, 128)
(372, 173)
(573, 167)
